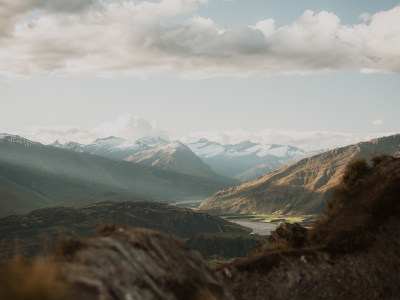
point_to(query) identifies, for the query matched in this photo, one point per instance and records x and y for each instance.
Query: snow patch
(204, 148)
(16, 139)
(207, 149)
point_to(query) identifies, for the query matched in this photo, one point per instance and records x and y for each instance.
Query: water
(262, 228)
(188, 203)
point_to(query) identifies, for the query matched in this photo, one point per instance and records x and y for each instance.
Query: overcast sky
(311, 73)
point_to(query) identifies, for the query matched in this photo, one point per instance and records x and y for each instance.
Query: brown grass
(31, 280)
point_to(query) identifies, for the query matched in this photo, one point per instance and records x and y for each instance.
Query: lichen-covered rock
(134, 263)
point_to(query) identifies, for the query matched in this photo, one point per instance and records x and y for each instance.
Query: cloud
(378, 122)
(130, 127)
(123, 38)
(365, 17)
(12, 11)
(126, 126)
(135, 127)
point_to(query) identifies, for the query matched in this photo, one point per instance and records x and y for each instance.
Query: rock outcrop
(129, 263)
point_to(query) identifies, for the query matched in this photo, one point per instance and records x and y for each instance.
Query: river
(262, 228)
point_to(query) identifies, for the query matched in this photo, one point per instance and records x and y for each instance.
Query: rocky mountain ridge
(151, 152)
(176, 157)
(33, 175)
(235, 159)
(228, 160)
(301, 187)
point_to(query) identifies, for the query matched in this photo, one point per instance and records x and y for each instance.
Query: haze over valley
(199, 149)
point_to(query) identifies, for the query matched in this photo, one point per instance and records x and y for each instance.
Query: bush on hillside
(365, 198)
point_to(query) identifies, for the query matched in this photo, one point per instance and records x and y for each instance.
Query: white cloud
(129, 127)
(12, 11)
(135, 127)
(126, 126)
(365, 17)
(267, 27)
(378, 122)
(88, 37)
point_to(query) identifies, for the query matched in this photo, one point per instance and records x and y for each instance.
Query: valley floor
(304, 220)
(261, 224)
(261, 228)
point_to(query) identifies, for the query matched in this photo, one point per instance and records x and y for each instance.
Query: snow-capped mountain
(115, 147)
(153, 142)
(72, 146)
(16, 139)
(233, 160)
(227, 160)
(34, 175)
(206, 148)
(151, 151)
(110, 147)
(176, 157)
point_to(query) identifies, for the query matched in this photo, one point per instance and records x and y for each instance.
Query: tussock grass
(360, 204)
(22, 279)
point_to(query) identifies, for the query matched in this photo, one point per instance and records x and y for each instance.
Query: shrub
(360, 204)
(355, 170)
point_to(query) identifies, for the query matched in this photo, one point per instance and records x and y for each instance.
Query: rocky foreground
(352, 252)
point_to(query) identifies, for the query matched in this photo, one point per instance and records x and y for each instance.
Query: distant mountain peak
(247, 142)
(56, 144)
(5, 135)
(109, 139)
(153, 141)
(203, 140)
(16, 139)
(73, 144)
(178, 145)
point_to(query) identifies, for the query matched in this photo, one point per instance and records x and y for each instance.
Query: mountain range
(247, 160)
(301, 187)
(151, 152)
(33, 175)
(114, 147)
(244, 161)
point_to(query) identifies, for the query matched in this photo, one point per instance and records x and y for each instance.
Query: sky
(313, 73)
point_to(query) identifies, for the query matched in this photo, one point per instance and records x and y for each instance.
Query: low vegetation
(36, 279)
(349, 224)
